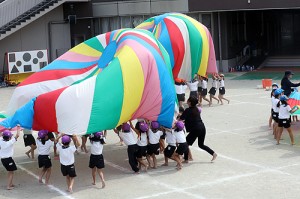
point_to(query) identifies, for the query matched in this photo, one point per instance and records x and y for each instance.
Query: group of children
(198, 88)
(44, 143)
(281, 114)
(145, 141)
(149, 142)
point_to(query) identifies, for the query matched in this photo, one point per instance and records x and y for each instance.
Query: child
(212, 91)
(182, 147)
(6, 153)
(29, 141)
(193, 86)
(284, 118)
(180, 91)
(162, 140)
(204, 89)
(142, 142)
(43, 146)
(153, 147)
(67, 160)
(222, 89)
(199, 89)
(130, 140)
(271, 116)
(169, 151)
(275, 110)
(96, 158)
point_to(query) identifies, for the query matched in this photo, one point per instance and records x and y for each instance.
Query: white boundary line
(62, 193)
(173, 189)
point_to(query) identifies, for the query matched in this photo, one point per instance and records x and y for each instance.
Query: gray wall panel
(140, 7)
(105, 9)
(132, 8)
(163, 6)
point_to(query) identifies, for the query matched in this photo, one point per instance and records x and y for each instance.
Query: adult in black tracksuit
(286, 84)
(195, 126)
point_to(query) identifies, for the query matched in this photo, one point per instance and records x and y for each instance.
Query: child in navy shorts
(96, 158)
(44, 144)
(67, 160)
(6, 153)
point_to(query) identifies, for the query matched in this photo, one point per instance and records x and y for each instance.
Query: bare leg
(205, 98)
(270, 122)
(33, 147)
(220, 98)
(142, 163)
(176, 157)
(48, 174)
(210, 100)
(71, 184)
(200, 100)
(149, 160)
(94, 175)
(101, 177)
(280, 130)
(43, 171)
(190, 155)
(215, 98)
(68, 181)
(161, 145)
(10, 177)
(154, 161)
(291, 135)
(83, 144)
(275, 129)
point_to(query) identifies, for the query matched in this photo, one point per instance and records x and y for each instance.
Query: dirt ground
(249, 163)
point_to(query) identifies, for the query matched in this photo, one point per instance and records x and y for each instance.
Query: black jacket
(287, 85)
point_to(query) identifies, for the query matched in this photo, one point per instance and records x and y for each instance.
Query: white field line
(62, 193)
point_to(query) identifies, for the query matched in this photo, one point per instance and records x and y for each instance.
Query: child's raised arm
(18, 131)
(133, 128)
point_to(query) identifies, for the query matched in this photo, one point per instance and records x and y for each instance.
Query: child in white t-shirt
(142, 142)
(130, 140)
(212, 91)
(67, 160)
(6, 153)
(44, 144)
(96, 158)
(182, 146)
(169, 151)
(153, 147)
(284, 119)
(193, 86)
(222, 89)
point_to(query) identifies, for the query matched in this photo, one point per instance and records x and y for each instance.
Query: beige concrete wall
(36, 36)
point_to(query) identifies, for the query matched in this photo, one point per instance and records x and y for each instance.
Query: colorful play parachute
(135, 82)
(79, 63)
(114, 77)
(294, 100)
(187, 41)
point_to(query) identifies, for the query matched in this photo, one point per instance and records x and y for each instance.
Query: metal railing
(9, 10)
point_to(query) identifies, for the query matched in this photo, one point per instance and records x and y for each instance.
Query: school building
(244, 31)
